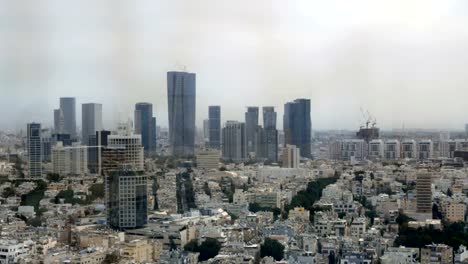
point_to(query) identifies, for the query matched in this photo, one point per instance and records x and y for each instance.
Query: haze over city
(404, 61)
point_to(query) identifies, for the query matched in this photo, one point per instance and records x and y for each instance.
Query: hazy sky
(405, 61)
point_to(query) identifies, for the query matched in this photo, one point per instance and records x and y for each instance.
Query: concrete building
(353, 149)
(291, 157)
(181, 92)
(214, 127)
(234, 142)
(131, 150)
(206, 132)
(208, 159)
(34, 146)
(145, 125)
(409, 149)
(297, 125)
(11, 251)
(68, 160)
(424, 194)
(425, 149)
(68, 108)
(453, 212)
(91, 121)
(251, 124)
(392, 149)
(142, 251)
(437, 254)
(127, 199)
(376, 149)
(58, 121)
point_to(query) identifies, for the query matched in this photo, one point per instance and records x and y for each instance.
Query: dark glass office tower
(297, 125)
(68, 107)
(268, 136)
(181, 93)
(214, 115)
(127, 199)
(251, 124)
(145, 125)
(91, 121)
(34, 150)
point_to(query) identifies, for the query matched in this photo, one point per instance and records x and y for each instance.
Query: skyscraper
(269, 137)
(127, 199)
(291, 156)
(181, 92)
(297, 125)
(234, 142)
(214, 113)
(145, 125)
(68, 107)
(251, 124)
(34, 150)
(91, 121)
(58, 121)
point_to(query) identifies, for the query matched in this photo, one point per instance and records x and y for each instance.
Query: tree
(9, 191)
(208, 249)
(191, 246)
(449, 192)
(436, 214)
(272, 248)
(53, 177)
(113, 257)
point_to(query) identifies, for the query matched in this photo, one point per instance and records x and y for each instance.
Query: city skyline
(343, 57)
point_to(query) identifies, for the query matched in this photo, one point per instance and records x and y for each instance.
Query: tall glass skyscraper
(234, 142)
(214, 114)
(269, 138)
(145, 125)
(91, 121)
(297, 125)
(34, 150)
(181, 93)
(251, 124)
(68, 107)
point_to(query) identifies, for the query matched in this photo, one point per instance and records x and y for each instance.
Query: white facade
(291, 156)
(425, 149)
(208, 159)
(70, 160)
(409, 149)
(376, 149)
(392, 150)
(11, 251)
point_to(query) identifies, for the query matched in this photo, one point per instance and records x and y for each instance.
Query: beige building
(424, 193)
(437, 253)
(291, 156)
(208, 159)
(142, 251)
(299, 214)
(454, 212)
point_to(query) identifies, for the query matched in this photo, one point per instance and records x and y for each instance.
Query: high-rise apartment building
(70, 160)
(392, 149)
(291, 156)
(127, 199)
(425, 149)
(214, 115)
(145, 125)
(297, 125)
(68, 107)
(251, 125)
(424, 194)
(409, 149)
(181, 92)
(91, 121)
(376, 149)
(234, 142)
(34, 150)
(206, 131)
